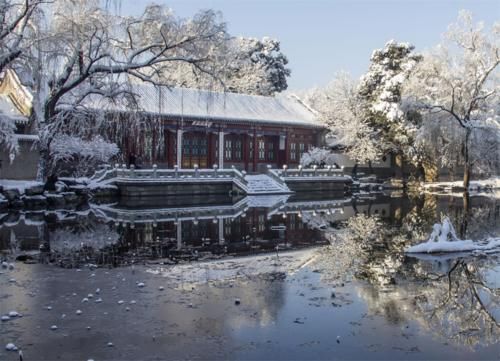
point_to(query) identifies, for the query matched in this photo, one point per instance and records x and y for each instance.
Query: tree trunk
(43, 165)
(467, 162)
(421, 172)
(465, 215)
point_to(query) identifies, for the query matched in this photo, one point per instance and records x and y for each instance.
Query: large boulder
(61, 187)
(79, 189)
(11, 194)
(34, 202)
(17, 203)
(71, 198)
(4, 203)
(55, 200)
(105, 191)
(34, 190)
(35, 218)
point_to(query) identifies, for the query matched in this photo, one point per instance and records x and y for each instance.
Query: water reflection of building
(225, 226)
(202, 228)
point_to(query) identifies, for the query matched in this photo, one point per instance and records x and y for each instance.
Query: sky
(323, 37)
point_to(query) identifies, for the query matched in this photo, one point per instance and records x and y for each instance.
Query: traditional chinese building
(15, 108)
(188, 128)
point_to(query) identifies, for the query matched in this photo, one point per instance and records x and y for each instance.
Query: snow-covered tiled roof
(208, 105)
(10, 111)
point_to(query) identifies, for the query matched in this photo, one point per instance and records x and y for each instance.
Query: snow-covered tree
(84, 155)
(381, 90)
(257, 67)
(87, 51)
(341, 109)
(459, 82)
(15, 16)
(243, 65)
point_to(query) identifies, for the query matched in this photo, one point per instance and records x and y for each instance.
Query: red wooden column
(169, 148)
(210, 150)
(255, 150)
(154, 146)
(287, 151)
(246, 150)
(166, 149)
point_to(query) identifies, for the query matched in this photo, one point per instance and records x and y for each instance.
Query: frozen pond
(249, 279)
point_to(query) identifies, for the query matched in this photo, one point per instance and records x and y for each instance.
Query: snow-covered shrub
(321, 157)
(78, 156)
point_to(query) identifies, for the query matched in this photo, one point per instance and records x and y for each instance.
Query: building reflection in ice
(121, 234)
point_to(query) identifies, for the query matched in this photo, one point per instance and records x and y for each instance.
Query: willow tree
(85, 51)
(15, 16)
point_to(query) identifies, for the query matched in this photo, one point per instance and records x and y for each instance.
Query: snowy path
(263, 184)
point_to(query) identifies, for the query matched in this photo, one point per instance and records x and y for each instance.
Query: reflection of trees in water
(79, 239)
(350, 247)
(452, 297)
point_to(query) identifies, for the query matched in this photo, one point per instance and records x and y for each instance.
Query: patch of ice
(219, 270)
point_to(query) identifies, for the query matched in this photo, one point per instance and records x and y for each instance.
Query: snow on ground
(491, 183)
(20, 185)
(235, 268)
(444, 239)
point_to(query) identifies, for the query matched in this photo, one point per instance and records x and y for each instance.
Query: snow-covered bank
(444, 239)
(476, 186)
(20, 185)
(456, 246)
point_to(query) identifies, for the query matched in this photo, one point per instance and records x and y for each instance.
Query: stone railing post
(215, 167)
(123, 170)
(300, 170)
(329, 170)
(315, 168)
(196, 173)
(155, 168)
(176, 171)
(132, 171)
(285, 167)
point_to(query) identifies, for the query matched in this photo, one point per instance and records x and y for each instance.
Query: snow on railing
(286, 173)
(178, 173)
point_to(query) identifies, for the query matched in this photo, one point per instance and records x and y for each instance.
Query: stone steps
(263, 184)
